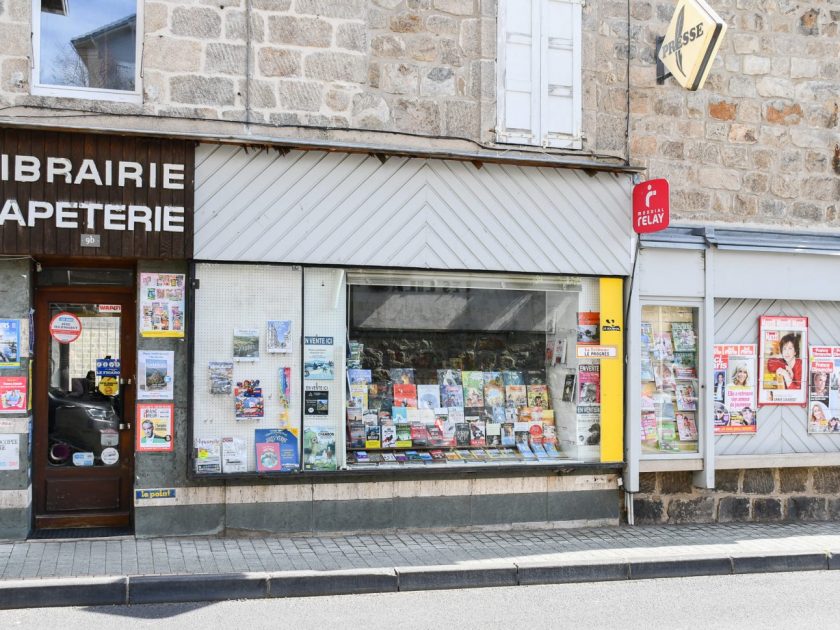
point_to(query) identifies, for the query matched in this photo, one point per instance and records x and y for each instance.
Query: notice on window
(162, 304)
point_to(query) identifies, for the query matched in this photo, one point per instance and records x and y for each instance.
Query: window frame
(93, 94)
(540, 136)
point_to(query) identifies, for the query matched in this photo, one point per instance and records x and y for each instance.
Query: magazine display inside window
(669, 370)
(246, 369)
(451, 370)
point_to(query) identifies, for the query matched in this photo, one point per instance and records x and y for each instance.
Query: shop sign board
(88, 195)
(691, 43)
(651, 206)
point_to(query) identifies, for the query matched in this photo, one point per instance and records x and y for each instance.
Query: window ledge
(89, 94)
(668, 465)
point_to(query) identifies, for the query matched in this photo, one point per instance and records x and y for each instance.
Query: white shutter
(560, 80)
(518, 93)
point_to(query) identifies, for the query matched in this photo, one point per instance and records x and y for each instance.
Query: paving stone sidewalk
(128, 556)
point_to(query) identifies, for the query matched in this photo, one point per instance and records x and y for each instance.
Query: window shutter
(519, 72)
(560, 80)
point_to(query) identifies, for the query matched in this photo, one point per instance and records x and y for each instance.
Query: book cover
(525, 451)
(516, 395)
(402, 376)
(373, 437)
(511, 377)
(354, 414)
(287, 446)
(278, 336)
(385, 417)
(389, 458)
(403, 435)
(375, 458)
(647, 337)
(357, 376)
(268, 456)
(400, 457)
(456, 414)
(683, 336)
(357, 435)
(538, 395)
(493, 453)
(379, 396)
(413, 457)
(479, 454)
(419, 434)
(462, 434)
(405, 395)
(551, 451)
(687, 395)
(359, 395)
(221, 377)
(428, 396)
(684, 366)
(399, 414)
(507, 435)
(438, 457)
(389, 436)
(478, 429)
(465, 454)
(686, 427)
(362, 458)
(435, 435)
(647, 367)
(453, 456)
(425, 456)
(648, 426)
(317, 402)
(473, 389)
(539, 451)
(370, 418)
(451, 396)
(493, 436)
(319, 448)
(494, 389)
(449, 378)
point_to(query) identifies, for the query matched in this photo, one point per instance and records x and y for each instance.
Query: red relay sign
(651, 206)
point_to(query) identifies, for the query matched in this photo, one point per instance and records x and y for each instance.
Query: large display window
(669, 371)
(470, 370)
(317, 369)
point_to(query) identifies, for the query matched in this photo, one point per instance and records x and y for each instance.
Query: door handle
(125, 426)
(125, 381)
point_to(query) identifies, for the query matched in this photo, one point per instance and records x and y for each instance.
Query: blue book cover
(289, 453)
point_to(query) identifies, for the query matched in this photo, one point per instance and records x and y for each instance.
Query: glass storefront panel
(669, 371)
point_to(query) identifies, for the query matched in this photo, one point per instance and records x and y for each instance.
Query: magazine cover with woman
(783, 379)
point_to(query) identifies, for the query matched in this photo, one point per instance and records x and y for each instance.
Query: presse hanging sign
(691, 43)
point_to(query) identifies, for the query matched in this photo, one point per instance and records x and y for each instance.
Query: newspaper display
(783, 371)
(735, 388)
(162, 304)
(824, 390)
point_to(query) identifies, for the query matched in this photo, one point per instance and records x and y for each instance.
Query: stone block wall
(759, 144)
(413, 67)
(752, 495)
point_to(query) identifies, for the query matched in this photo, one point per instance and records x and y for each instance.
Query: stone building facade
(759, 145)
(418, 74)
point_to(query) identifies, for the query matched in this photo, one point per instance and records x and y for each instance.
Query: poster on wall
(246, 344)
(279, 336)
(157, 426)
(735, 388)
(156, 370)
(318, 359)
(221, 377)
(285, 399)
(9, 343)
(824, 390)
(783, 376)
(588, 323)
(248, 399)
(10, 451)
(162, 300)
(13, 394)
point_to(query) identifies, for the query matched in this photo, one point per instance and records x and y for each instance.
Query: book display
(670, 400)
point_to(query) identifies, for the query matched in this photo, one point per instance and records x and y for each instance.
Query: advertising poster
(276, 450)
(783, 341)
(735, 388)
(162, 304)
(156, 369)
(824, 390)
(208, 457)
(221, 377)
(13, 394)
(246, 344)
(156, 423)
(9, 343)
(9, 451)
(248, 400)
(588, 323)
(279, 336)
(318, 359)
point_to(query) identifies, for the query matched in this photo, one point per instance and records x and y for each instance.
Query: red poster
(13, 394)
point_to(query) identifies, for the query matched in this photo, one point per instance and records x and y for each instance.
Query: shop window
(669, 370)
(470, 370)
(87, 49)
(539, 73)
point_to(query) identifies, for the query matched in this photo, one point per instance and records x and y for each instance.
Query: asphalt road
(765, 601)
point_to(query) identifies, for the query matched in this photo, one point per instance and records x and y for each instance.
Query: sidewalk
(129, 570)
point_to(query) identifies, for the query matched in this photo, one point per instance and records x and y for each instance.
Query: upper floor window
(87, 49)
(539, 84)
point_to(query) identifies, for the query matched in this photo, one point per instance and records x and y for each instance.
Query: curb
(164, 589)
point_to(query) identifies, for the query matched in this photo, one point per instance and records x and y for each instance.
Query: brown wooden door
(83, 451)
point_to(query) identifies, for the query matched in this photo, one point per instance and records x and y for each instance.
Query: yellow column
(612, 370)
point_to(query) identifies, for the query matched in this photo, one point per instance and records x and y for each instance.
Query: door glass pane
(669, 379)
(85, 402)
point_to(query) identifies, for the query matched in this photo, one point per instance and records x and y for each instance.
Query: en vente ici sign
(91, 215)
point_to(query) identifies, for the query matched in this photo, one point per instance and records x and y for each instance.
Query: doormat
(85, 532)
